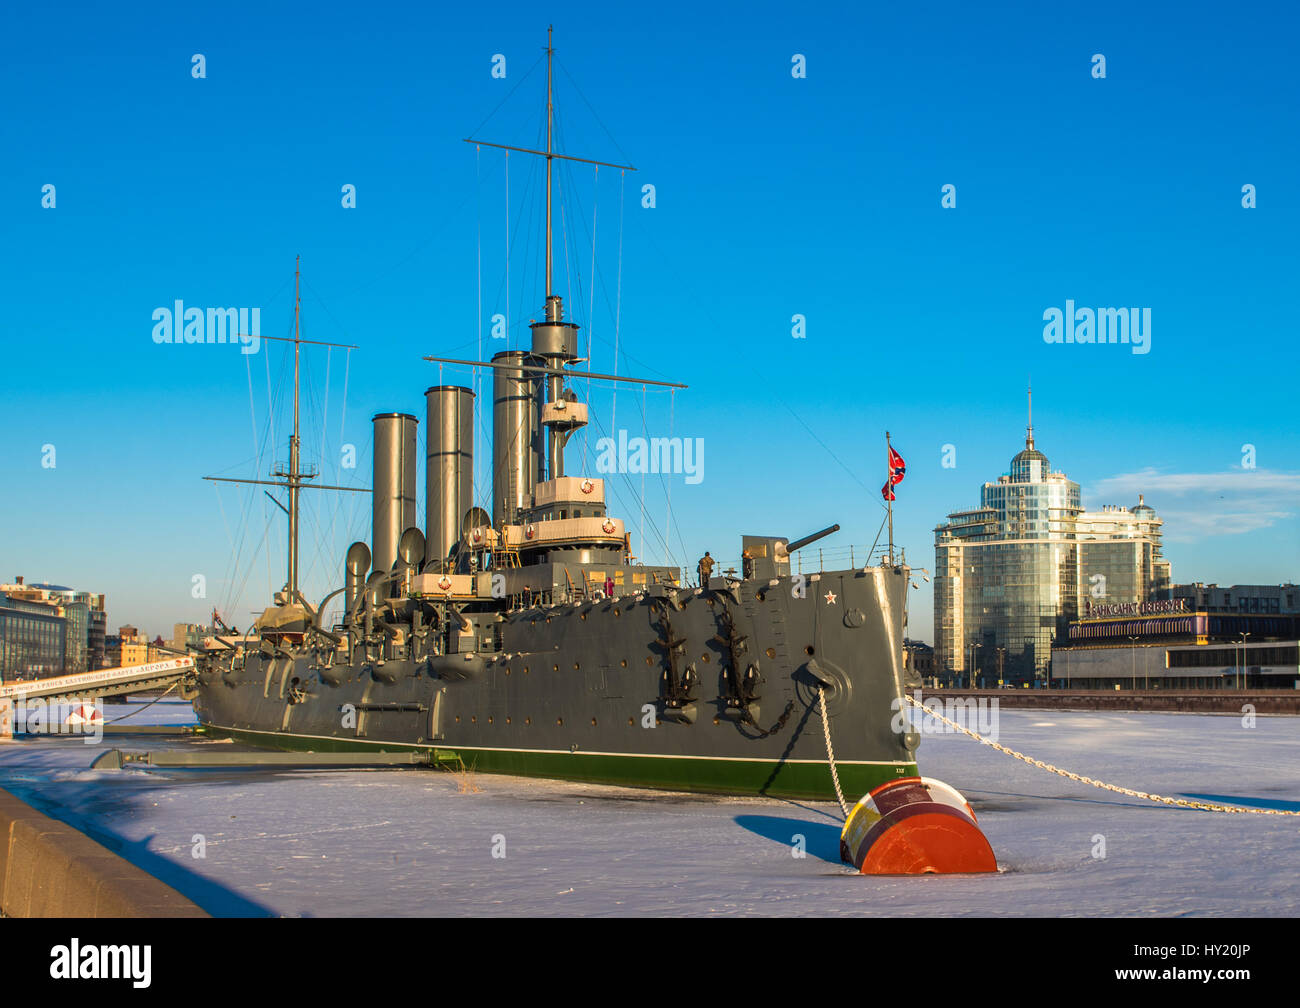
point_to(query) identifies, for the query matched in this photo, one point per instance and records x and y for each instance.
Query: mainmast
(550, 156)
(555, 341)
(295, 442)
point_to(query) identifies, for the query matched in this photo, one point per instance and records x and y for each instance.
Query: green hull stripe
(778, 779)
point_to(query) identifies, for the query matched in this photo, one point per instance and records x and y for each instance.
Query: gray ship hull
(711, 690)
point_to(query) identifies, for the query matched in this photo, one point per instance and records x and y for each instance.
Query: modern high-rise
(82, 636)
(1011, 573)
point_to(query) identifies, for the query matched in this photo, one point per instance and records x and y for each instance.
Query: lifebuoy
(530, 531)
(444, 583)
(478, 535)
(608, 526)
(588, 486)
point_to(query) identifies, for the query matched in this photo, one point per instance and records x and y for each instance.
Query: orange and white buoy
(84, 714)
(915, 826)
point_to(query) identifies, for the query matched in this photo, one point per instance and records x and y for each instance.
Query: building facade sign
(1157, 607)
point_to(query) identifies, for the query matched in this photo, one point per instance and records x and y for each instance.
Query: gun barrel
(806, 540)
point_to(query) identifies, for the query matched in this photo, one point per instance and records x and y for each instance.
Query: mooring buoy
(915, 826)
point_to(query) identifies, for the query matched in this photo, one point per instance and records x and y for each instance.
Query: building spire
(1029, 430)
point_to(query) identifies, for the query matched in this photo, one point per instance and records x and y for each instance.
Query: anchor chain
(742, 690)
(1179, 802)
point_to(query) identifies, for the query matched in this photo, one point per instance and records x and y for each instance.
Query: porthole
(593, 722)
(770, 652)
(560, 721)
(625, 663)
(649, 660)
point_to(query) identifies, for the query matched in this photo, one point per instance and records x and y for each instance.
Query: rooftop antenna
(1029, 431)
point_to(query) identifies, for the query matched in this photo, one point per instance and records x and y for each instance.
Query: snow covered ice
(414, 842)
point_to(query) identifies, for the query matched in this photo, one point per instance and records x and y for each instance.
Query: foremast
(294, 478)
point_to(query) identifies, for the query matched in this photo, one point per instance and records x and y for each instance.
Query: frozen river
(414, 842)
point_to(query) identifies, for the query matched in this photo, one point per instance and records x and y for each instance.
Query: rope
(830, 753)
(1179, 802)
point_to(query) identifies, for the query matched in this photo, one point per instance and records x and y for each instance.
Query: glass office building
(33, 640)
(1012, 573)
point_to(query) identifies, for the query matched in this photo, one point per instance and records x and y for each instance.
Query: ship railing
(850, 557)
(813, 560)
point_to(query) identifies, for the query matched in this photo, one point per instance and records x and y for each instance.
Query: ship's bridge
(568, 497)
(568, 513)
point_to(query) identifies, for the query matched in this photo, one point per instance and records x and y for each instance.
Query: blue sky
(775, 197)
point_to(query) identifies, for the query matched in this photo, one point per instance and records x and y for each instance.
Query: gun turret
(808, 540)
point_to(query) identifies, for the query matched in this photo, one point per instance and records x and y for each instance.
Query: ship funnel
(449, 468)
(516, 437)
(393, 501)
(354, 576)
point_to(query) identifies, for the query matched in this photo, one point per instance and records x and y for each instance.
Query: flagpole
(889, 504)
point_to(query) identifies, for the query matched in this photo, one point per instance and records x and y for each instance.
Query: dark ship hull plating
(573, 688)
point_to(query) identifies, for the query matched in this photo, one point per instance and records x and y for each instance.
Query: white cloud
(1232, 502)
(1243, 481)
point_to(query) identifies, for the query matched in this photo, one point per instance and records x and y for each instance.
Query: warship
(529, 639)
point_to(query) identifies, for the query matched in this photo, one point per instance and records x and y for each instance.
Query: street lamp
(1134, 652)
(1242, 684)
(971, 672)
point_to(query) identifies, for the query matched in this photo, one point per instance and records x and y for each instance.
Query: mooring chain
(1180, 802)
(830, 753)
(145, 707)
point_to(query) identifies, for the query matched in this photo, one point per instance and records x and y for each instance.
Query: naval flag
(896, 467)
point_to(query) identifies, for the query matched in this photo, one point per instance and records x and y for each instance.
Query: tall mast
(294, 441)
(554, 342)
(294, 479)
(550, 116)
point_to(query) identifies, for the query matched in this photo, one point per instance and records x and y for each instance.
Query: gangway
(91, 685)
